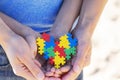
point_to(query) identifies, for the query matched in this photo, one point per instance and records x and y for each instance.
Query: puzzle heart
(57, 52)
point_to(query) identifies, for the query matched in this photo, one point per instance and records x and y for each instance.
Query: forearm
(66, 17)
(5, 32)
(14, 25)
(89, 16)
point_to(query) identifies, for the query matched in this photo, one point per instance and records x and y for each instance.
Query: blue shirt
(37, 14)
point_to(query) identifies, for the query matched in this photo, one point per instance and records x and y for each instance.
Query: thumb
(31, 40)
(82, 56)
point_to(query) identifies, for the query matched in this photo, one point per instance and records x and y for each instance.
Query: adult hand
(82, 57)
(21, 58)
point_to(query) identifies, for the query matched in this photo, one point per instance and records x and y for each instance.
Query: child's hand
(51, 72)
(56, 74)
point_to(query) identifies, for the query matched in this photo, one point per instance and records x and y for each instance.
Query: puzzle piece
(40, 43)
(51, 43)
(46, 37)
(62, 60)
(56, 52)
(69, 52)
(73, 41)
(46, 55)
(51, 54)
(50, 51)
(68, 57)
(73, 50)
(64, 37)
(40, 52)
(57, 66)
(64, 44)
(58, 60)
(69, 35)
(60, 50)
(51, 60)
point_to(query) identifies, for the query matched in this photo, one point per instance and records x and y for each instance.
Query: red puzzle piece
(60, 50)
(62, 53)
(46, 37)
(56, 42)
(51, 60)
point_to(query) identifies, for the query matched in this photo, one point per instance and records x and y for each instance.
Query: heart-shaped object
(57, 52)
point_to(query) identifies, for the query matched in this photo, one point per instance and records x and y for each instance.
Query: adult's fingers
(34, 69)
(74, 72)
(80, 59)
(65, 69)
(79, 63)
(31, 40)
(22, 71)
(88, 58)
(37, 62)
(70, 75)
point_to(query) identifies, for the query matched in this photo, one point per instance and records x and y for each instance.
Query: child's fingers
(57, 75)
(49, 67)
(49, 74)
(58, 71)
(53, 69)
(65, 69)
(53, 78)
(46, 78)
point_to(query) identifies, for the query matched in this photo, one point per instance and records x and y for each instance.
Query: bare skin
(22, 30)
(21, 57)
(89, 15)
(29, 37)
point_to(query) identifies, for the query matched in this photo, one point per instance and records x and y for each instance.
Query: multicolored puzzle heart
(57, 52)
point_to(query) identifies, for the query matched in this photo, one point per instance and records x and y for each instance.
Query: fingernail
(40, 76)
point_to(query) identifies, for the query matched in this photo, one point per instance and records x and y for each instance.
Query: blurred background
(105, 61)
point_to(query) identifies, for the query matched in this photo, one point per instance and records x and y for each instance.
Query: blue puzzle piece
(51, 43)
(73, 41)
(46, 56)
(69, 35)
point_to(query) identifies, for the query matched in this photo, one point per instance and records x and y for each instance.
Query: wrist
(26, 31)
(82, 34)
(5, 31)
(6, 37)
(59, 31)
